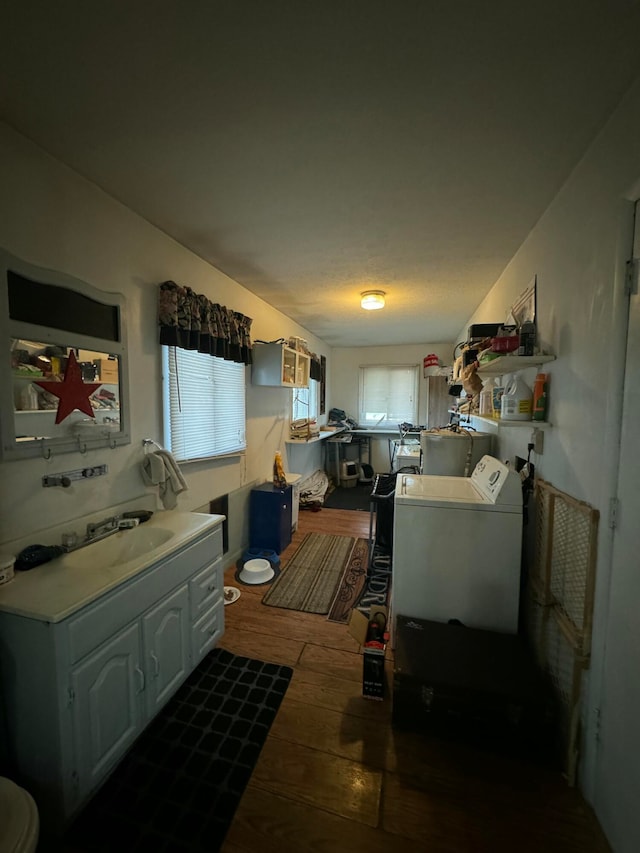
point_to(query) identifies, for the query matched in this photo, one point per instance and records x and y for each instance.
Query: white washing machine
(457, 547)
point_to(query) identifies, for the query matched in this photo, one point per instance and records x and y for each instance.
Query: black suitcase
(479, 686)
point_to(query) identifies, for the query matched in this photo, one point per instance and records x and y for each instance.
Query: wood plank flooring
(334, 776)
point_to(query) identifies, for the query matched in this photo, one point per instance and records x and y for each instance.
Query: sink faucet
(100, 529)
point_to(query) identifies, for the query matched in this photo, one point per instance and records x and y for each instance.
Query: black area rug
(357, 497)
(178, 788)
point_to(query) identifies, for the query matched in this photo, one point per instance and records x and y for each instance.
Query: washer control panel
(489, 477)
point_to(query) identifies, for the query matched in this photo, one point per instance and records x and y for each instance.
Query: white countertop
(54, 590)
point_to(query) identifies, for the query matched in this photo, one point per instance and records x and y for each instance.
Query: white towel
(161, 469)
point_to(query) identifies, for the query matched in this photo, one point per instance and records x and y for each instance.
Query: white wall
(578, 250)
(53, 218)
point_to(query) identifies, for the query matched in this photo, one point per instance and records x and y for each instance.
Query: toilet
(19, 823)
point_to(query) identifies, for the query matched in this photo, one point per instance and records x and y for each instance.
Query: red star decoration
(72, 391)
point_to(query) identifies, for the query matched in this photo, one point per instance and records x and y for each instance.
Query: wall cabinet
(279, 365)
(79, 692)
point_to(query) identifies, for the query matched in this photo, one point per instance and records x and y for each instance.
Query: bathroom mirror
(64, 374)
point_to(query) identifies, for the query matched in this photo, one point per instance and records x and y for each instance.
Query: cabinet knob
(211, 587)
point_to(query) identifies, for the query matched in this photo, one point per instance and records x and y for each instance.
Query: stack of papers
(303, 430)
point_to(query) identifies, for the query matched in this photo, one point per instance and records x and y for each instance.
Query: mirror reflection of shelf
(49, 315)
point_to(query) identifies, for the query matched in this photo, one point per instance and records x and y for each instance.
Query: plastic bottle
(540, 397)
(279, 477)
(497, 392)
(29, 398)
(486, 399)
(516, 402)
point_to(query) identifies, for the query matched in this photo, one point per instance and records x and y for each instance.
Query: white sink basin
(121, 547)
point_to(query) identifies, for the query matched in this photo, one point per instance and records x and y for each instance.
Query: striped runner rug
(309, 580)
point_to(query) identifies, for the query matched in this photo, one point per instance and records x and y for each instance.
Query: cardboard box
(374, 643)
(107, 370)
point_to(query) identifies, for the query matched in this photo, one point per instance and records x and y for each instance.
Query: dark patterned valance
(190, 321)
(315, 369)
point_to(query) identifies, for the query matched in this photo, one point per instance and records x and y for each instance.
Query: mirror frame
(10, 448)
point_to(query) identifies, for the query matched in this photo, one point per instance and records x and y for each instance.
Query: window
(304, 402)
(388, 395)
(204, 404)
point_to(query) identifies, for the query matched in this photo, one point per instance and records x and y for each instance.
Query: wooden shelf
(498, 422)
(319, 437)
(512, 363)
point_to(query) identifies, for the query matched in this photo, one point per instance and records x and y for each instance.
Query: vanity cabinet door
(107, 706)
(166, 633)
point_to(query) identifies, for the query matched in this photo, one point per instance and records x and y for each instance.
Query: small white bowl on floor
(231, 594)
(256, 571)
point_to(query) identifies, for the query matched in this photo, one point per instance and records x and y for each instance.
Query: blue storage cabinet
(270, 517)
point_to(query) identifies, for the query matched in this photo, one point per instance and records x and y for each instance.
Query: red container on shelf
(505, 344)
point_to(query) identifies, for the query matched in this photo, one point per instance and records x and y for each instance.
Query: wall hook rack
(65, 478)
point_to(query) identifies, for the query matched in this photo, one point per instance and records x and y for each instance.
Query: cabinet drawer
(206, 589)
(207, 632)
(99, 620)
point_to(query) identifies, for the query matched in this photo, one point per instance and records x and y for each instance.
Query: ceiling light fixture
(371, 300)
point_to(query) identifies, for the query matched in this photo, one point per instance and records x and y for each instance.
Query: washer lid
(438, 490)
(492, 486)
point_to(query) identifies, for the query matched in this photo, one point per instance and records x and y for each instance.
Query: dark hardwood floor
(335, 776)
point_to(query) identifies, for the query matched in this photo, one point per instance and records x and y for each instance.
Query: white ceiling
(311, 150)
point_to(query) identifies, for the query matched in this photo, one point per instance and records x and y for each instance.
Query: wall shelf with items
(498, 422)
(280, 366)
(502, 423)
(512, 363)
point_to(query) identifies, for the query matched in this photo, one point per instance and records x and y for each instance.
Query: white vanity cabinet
(79, 691)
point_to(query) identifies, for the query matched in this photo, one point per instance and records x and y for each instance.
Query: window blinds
(204, 404)
(388, 395)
